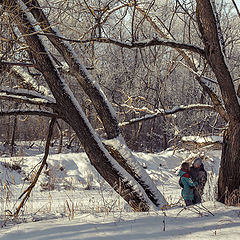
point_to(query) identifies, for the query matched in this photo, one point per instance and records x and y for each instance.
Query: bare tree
(133, 184)
(229, 180)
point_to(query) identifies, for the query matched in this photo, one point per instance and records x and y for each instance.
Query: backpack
(180, 182)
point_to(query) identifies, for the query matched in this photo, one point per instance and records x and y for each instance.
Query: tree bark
(229, 178)
(215, 57)
(229, 173)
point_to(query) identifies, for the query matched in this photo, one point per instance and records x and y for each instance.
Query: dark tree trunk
(229, 173)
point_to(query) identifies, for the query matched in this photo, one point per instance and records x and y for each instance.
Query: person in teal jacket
(188, 184)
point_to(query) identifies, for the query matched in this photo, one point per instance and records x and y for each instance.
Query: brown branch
(215, 99)
(44, 162)
(17, 64)
(143, 44)
(29, 112)
(149, 43)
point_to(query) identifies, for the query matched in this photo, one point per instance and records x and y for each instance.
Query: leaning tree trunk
(229, 177)
(68, 108)
(90, 87)
(102, 106)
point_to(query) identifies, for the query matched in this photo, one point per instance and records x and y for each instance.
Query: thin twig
(235, 5)
(44, 162)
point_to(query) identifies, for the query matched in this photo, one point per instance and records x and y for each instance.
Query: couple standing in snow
(192, 180)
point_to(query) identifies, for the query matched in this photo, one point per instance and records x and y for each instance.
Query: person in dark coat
(188, 184)
(199, 175)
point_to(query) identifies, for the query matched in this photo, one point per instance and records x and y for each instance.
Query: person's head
(197, 162)
(185, 166)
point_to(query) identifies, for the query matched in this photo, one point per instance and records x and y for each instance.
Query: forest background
(156, 63)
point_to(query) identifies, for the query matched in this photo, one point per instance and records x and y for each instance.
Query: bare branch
(149, 43)
(140, 44)
(22, 99)
(27, 93)
(17, 64)
(29, 112)
(44, 162)
(162, 112)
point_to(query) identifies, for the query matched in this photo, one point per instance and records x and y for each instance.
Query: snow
(199, 139)
(83, 206)
(171, 111)
(25, 98)
(133, 226)
(121, 146)
(30, 80)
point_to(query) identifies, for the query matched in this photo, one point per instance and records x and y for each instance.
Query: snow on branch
(26, 96)
(21, 74)
(27, 93)
(206, 139)
(136, 169)
(23, 99)
(206, 81)
(138, 110)
(163, 112)
(86, 80)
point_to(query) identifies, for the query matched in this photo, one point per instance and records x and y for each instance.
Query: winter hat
(197, 161)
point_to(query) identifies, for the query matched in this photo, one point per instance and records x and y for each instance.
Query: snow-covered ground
(81, 205)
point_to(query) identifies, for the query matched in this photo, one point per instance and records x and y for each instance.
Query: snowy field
(81, 205)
